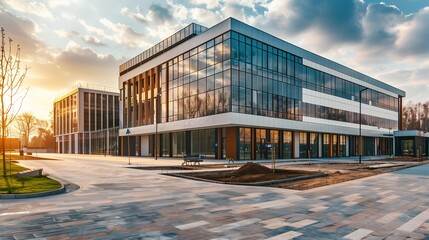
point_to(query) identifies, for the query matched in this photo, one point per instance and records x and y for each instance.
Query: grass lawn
(10, 184)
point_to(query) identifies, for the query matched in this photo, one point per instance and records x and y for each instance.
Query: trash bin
(21, 153)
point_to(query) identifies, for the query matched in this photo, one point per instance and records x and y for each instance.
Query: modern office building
(236, 91)
(86, 121)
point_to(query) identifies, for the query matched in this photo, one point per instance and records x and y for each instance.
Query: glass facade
(87, 122)
(66, 115)
(245, 143)
(236, 73)
(287, 145)
(199, 81)
(187, 32)
(317, 111)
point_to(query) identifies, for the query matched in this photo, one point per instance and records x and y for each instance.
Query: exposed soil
(336, 173)
(250, 173)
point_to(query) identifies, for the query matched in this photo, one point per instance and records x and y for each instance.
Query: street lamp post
(156, 125)
(128, 136)
(360, 124)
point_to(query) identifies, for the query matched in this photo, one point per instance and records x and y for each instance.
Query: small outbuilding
(411, 143)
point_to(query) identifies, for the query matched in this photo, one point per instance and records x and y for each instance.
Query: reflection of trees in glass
(210, 103)
(202, 104)
(194, 106)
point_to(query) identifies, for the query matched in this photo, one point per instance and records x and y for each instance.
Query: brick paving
(120, 203)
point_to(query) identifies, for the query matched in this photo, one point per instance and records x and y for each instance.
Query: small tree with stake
(11, 92)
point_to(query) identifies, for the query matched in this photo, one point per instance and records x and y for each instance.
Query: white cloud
(57, 3)
(124, 34)
(135, 15)
(209, 4)
(204, 16)
(32, 7)
(93, 40)
(414, 34)
(66, 34)
(178, 11)
(53, 70)
(93, 29)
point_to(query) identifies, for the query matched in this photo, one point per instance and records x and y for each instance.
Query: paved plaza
(116, 202)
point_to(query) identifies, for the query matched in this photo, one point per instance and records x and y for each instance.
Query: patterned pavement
(119, 203)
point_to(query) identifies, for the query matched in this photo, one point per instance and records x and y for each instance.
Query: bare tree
(11, 92)
(26, 124)
(44, 137)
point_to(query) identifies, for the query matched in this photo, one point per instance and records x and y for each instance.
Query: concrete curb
(34, 195)
(66, 187)
(265, 183)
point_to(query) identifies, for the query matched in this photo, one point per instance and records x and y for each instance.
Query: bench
(192, 160)
(30, 173)
(230, 160)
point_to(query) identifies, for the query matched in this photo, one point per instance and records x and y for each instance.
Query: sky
(83, 42)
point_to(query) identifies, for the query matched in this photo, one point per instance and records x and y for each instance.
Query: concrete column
(76, 143)
(144, 145)
(70, 142)
(320, 144)
(376, 142)
(296, 144)
(89, 140)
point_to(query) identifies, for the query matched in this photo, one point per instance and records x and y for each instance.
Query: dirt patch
(250, 173)
(332, 173)
(251, 168)
(339, 173)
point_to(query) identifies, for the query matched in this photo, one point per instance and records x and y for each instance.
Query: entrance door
(260, 148)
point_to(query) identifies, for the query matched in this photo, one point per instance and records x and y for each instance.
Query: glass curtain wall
(287, 145)
(326, 144)
(342, 141)
(334, 145)
(165, 144)
(274, 140)
(303, 148)
(203, 142)
(199, 81)
(369, 146)
(385, 146)
(260, 146)
(178, 144)
(264, 80)
(245, 144)
(233, 72)
(314, 145)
